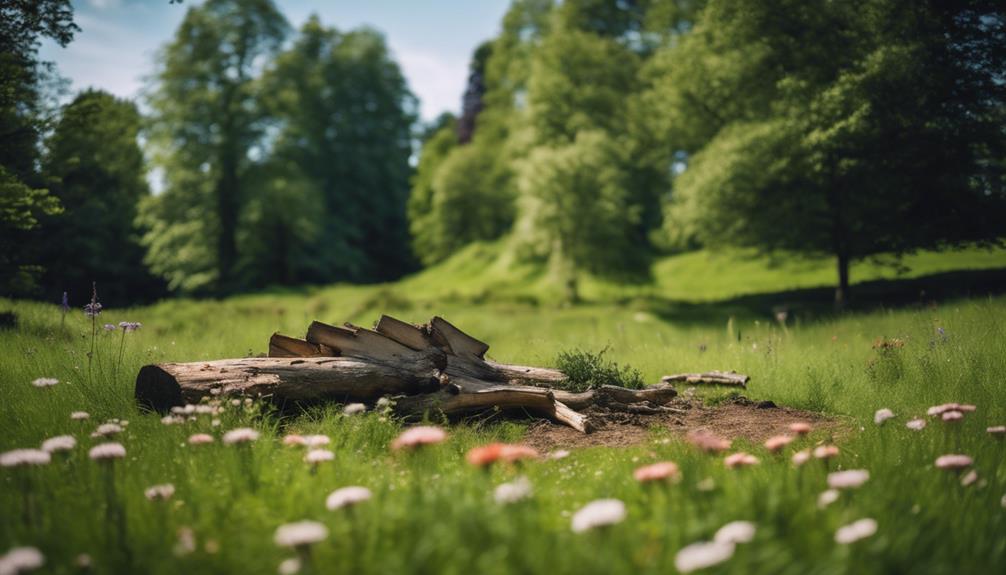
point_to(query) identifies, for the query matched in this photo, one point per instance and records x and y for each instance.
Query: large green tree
(207, 129)
(841, 129)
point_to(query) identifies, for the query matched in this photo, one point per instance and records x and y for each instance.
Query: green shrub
(586, 370)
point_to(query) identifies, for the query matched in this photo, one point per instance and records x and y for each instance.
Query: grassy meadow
(431, 512)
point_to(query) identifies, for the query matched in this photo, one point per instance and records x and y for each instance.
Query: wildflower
(512, 453)
(185, 542)
(347, 497)
(950, 416)
(107, 430)
(740, 459)
(777, 442)
(20, 560)
(82, 561)
(825, 451)
(294, 440)
(801, 457)
(92, 310)
(172, 420)
(300, 534)
(512, 492)
(708, 441)
(107, 451)
(953, 462)
(969, 478)
(240, 435)
(130, 326)
(354, 408)
(108, 327)
(558, 454)
(384, 403)
(484, 455)
(289, 566)
(159, 492)
(200, 439)
(419, 436)
(663, 471)
(849, 479)
(826, 498)
(45, 382)
(24, 457)
(999, 431)
(598, 513)
(735, 532)
(800, 427)
(916, 424)
(59, 443)
(64, 304)
(316, 440)
(702, 554)
(882, 415)
(855, 531)
(941, 409)
(79, 415)
(316, 456)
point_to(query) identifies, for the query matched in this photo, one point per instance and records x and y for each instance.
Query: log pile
(427, 370)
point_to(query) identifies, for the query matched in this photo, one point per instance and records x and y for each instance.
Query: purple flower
(92, 309)
(129, 326)
(109, 327)
(65, 303)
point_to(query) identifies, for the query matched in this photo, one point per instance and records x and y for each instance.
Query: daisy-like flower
(512, 492)
(107, 452)
(740, 459)
(130, 326)
(21, 560)
(951, 416)
(598, 513)
(916, 424)
(419, 436)
(24, 458)
(776, 443)
(512, 453)
(240, 435)
(800, 427)
(92, 309)
(107, 430)
(558, 454)
(108, 327)
(969, 478)
(941, 409)
(826, 498)
(953, 462)
(662, 471)
(702, 554)
(200, 439)
(825, 451)
(161, 492)
(300, 534)
(849, 479)
(998, 431)
(485, 455)
(855, 531)
(347, 497)
(289, 566)
(59, 443)
(882, 415)
(316, 456)
(708, 441)
(316, 440)
(736, 532)
(45, 382)
(294, 440)
(79, 415)
(801, 457)
(354, 408)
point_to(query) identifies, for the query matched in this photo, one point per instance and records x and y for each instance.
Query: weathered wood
(165, 385)
(657, 395)
(404, 333)
(353, 341)
(708, 378)
(460, 343)
(285, 346)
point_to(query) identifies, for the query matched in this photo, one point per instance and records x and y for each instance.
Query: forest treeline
(594, 135)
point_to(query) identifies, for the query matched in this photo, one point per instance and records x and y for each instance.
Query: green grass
(432, 513)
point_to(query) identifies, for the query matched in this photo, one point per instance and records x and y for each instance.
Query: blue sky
(431, 40)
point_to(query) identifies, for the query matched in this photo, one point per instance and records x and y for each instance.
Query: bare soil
(739, 418)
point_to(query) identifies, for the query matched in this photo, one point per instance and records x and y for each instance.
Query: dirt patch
(739, 418)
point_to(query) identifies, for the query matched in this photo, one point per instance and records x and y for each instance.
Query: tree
(206, 128)
(882, 134)
(21, 209)
(96, 170)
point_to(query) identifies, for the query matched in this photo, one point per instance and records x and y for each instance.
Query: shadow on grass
(817, 304)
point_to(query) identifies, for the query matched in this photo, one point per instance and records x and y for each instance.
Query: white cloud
(437, 82)
(103, 4)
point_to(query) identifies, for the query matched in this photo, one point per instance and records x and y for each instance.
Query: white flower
(969, 478)
(45, 382)
(916, 424)
(882, 415)
(855, 531)
(79, 415)
(383, 403)
(300, 533)
(512, 492)
(107, 430)
(354, 408)
(160, 492)
(318, 455)
(848, 479)
(289, 566)
(316, 440)
(59, 443)
(21, 559)
(702, 554)
(558, 454)
(801, 457)
(107, 451)
(735, 532)
(827, 498)
(346, 497)
(20, 457)
(240, 435)
(598, 513)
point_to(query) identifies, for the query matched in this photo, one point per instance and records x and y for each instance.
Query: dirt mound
(739, 418)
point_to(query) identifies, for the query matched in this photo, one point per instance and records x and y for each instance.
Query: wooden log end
(157, 390)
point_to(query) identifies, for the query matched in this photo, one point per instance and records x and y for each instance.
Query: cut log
(657, 395)
(404, 333)
(708, 378)
(283, 346)
(342, 379)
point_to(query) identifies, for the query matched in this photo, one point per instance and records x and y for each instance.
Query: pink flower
(665, 470)
(950, 416)
(953, 462)
(107, 451)
(825, 451)
(777, 442)
(240, 435)
(969, 478)
(708, 441)
(998, 431)
(848, 479)
(800, 427)
(200, 439)
(294, 440)
(941, 409)
(855, 531)
(801, 457)
(419, 436)
(916, 424)
(599, 513)
(347, 497)
(882, 415)
(24, 457)
(740, 459)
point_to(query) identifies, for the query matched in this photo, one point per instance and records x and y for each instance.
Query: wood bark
(708, 378)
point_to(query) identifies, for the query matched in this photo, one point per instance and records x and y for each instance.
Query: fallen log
(708, 378)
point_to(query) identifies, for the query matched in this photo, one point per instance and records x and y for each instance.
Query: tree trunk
(842, 293)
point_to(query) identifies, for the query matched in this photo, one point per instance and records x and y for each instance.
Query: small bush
(586, 370)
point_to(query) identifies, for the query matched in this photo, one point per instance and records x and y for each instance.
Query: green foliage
(587, 370)
(21, 210)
